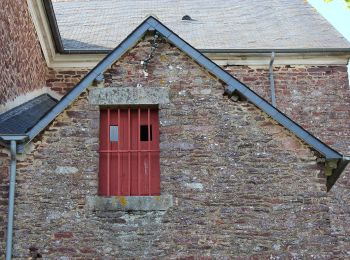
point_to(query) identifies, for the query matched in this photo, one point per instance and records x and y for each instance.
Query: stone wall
(22, 66)
(243, 186)
(22, 70)
(63, 80)
(318, 98)
(4, 165)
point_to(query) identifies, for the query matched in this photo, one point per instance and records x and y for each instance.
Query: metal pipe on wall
(11, 201)
(13, 139)
(272, 82)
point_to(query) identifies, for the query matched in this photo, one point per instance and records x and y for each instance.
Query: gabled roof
(21, 119)
(216, 25)
(233, 85)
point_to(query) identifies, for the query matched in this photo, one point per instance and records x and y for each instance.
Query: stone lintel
(129, 203)
(129, 96)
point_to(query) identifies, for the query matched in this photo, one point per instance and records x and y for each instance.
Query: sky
(336, 13)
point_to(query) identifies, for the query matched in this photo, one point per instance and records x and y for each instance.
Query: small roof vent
(187, 18)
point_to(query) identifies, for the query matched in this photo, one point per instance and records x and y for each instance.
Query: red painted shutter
(129, 166)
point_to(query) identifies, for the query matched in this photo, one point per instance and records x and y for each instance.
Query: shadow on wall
(70, 44)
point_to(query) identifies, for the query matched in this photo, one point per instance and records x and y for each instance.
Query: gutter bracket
(336, 172)
(330, 165)
(100, 80)
(231, 93)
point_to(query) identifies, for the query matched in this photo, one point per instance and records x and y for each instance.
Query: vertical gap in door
(118, 147)
(129, 150)
(108, 152)
(149, 150)
(138, 150)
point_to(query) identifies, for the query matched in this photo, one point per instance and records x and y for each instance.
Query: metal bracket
(100, 80)
(228, 92)
(330, 165)
(231, 93)
(341, 165)
(20, 138)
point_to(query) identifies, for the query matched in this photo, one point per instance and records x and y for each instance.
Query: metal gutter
(85, 51)
(282, 50)
(227, 51)
(13, 139)
(50, 13)
(272, 82)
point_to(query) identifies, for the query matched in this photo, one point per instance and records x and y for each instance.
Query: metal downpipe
(11, 201)
(272, 82)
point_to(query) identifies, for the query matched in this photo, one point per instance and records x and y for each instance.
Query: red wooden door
(129, 152)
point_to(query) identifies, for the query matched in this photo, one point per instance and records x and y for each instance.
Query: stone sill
(129, 203)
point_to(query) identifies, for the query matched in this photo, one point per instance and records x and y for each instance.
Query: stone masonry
(242, 185)
(317, 97)
(62, 80)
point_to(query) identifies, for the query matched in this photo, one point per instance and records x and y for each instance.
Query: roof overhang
(57, 57)
(6, 139)
(9, 137)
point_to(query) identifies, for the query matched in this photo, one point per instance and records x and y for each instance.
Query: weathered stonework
(22, 66)
(129, 96)
(63, 80)
(243, 186)
(129, 203)
(318, 98)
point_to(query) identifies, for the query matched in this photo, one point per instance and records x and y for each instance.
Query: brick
(61, 235)
(62, 81)
(22, 66)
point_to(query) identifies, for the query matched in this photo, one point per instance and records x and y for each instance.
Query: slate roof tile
(21, 119)
(219, 24)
